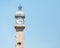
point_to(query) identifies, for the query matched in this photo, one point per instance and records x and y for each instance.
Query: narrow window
(19, 43)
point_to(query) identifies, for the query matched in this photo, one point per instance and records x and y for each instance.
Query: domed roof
(20, 12)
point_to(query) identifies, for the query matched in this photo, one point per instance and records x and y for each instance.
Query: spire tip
(20, 7)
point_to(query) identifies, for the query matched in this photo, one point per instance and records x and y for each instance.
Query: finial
(20, 7)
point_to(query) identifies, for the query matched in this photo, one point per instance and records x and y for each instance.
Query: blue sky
(42, 23)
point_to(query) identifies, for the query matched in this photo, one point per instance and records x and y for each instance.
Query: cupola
(20, 12)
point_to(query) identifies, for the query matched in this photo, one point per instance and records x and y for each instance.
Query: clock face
(19, 21)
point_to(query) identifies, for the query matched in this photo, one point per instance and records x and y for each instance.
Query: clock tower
(19, 26)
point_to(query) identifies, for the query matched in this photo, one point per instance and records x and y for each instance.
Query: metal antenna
(20, 7)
